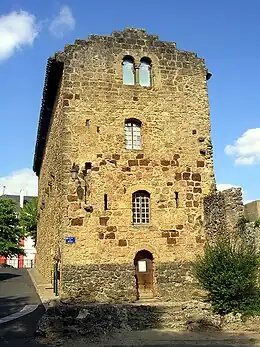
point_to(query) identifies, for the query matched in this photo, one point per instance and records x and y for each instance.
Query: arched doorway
(144, 274)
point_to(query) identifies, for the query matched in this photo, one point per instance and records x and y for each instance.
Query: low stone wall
(67, 321)
(117, 283)
(176, 282)
(99, 282)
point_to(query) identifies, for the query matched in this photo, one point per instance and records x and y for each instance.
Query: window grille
(141, 207)
(132, 135)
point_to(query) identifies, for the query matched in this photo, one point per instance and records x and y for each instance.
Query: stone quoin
(124, 161)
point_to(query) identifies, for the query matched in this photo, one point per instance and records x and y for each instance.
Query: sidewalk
(42, 287)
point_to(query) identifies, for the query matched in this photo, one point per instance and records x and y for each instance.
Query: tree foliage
(10, 232)
(28, 219)
(229, 272)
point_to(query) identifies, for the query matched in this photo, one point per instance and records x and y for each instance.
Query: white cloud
(224, 186)
(21, 179)
(62, 23)
(17, 29)
(246, 148)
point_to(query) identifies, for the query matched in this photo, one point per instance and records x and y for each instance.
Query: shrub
(229, 272)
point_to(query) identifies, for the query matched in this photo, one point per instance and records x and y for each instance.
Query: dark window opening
(177, 199)
(105, 202)
(88, 123)
(88, 166)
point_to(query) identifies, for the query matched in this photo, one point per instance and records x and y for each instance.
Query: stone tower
(124, 159)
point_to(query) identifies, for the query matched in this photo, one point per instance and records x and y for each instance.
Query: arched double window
(133, 74)
(133, 134)
(128, 70)
(141, 207)
(145, 79)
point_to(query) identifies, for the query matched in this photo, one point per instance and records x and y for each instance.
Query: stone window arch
(128, 70)
(141, 207)
(145, 69)
(133, 134)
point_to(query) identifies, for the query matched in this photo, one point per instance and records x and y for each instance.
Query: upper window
(141, 207)
(133, 134)
(128, 70)
(145, 72)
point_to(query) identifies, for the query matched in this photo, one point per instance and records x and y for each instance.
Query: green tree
(229, 271)
(28, 219)
(10, 232)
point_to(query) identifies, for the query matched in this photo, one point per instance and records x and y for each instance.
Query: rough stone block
(174, 163)
(103, 220)
(77, 221)
(112, 228)
(139, 156)
(174, 233)
(165, 162)
(126, 169)
(178, 176)
(179, 226)
(186, 175)
(101, 235)
(171, 241)
(189, 196)
(122, 243)
(196, 177)
(133, 162)
(197, 190)
(200, 163)
(72, 198)
(169, 183)
(116, 156)
(165, 234)
(188, 203)
(144, 162)
(110, 236)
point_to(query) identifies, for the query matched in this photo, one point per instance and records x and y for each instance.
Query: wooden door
(144, 278)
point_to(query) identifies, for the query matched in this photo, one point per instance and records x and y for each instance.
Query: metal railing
(18, 263)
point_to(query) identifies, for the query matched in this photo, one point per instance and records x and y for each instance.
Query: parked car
(4, 265)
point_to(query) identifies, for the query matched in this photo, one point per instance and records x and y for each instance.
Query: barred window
(141, 207)
(133, 134)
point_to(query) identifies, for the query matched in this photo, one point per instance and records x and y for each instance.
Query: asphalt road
(17, 291)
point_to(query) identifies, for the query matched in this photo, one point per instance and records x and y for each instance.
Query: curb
(46, 302)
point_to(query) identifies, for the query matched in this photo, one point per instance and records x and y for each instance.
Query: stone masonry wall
(175, 159)
(222, 211)
(50, 193)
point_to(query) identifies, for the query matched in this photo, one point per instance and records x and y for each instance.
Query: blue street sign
(70, 239)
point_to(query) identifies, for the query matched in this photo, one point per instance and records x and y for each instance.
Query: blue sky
(225, 33)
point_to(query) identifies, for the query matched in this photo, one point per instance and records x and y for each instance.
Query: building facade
(27, 260)
(124, 160)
